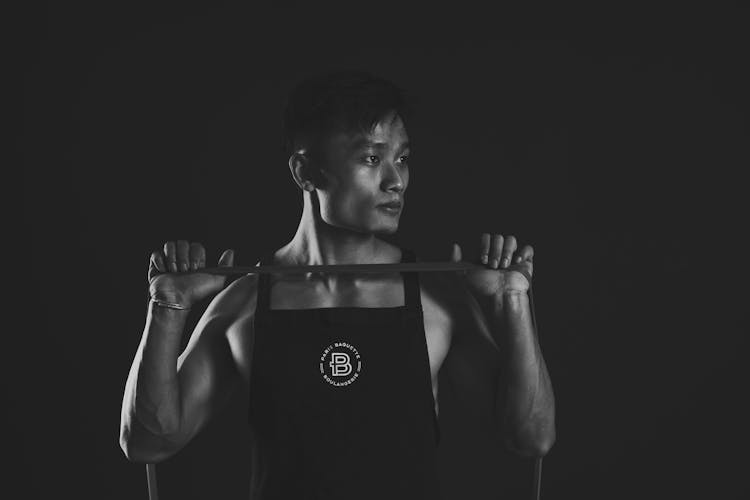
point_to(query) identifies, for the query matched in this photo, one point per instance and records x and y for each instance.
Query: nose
(393, 179)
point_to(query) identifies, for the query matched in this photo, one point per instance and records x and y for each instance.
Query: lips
(392, 204)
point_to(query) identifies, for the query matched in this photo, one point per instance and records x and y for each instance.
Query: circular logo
(340, 364)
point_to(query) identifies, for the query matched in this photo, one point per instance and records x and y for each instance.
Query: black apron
(341, 402)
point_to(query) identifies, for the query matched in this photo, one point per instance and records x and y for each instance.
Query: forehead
(389, 132)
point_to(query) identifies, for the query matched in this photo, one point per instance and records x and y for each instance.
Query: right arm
(168, 397)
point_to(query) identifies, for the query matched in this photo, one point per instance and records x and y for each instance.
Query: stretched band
(355, 268)
(153, 492)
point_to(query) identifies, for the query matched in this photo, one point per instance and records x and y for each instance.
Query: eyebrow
(362, 143)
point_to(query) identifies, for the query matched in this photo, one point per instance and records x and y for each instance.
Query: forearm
(529, 418)
(152, 395)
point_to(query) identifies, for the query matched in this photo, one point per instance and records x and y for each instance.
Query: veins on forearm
(525, 386)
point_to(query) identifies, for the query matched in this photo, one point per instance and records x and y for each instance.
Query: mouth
(394, 203)
(391, 207)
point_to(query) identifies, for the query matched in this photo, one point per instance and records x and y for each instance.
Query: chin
(386, 229)
(373, 226)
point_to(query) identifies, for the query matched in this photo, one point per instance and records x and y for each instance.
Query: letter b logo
(340, 368)
(340, 364)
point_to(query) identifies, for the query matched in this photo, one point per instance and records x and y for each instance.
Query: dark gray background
(619, 159)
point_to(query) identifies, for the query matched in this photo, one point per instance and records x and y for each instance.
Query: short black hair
(348, 100)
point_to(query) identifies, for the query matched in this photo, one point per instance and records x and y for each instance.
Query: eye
(376, 158)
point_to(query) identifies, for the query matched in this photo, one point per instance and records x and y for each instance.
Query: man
(341, 369)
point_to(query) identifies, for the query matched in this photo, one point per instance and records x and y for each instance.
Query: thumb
(227, 258)
(456, 253)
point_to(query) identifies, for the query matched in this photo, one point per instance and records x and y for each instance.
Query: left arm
(525, 386)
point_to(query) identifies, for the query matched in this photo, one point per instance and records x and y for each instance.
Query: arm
(168, 398)
(499, 314)
(525, 386)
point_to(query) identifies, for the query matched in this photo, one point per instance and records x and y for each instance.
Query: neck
(319, 243)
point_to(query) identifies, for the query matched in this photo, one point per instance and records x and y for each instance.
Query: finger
(510, 246)
(227, 258)
(156, 264)
(525, 254)
(170, 254)
(197, 254)
(202, 259)
(484, 247)
(183, 255)
(496, 250)
(456, 254)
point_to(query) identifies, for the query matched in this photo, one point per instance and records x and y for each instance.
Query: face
(360, 172)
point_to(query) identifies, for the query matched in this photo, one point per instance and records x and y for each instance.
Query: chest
(305, 295)
(376, 294)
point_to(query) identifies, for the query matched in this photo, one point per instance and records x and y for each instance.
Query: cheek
(357, 202)
(356, 199)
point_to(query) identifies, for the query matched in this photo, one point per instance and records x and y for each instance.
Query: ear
(302, 170)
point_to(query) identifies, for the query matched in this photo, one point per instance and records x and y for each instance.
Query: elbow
(140, 453)
(131, 452)
(541, 447)
(133, 455)
(531, 444)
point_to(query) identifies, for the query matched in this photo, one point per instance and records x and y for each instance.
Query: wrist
(507, 301)
(512, 300)
(164, 294)
(174, 305)
(166, 315)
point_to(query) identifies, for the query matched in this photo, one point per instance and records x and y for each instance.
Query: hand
(169, 277)
(504, 262)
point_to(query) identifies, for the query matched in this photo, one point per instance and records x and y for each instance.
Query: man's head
(345, 136)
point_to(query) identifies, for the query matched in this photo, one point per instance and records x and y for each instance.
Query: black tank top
(341, 402)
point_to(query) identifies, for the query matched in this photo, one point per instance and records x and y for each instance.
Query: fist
(509, 266)
(172, 273)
